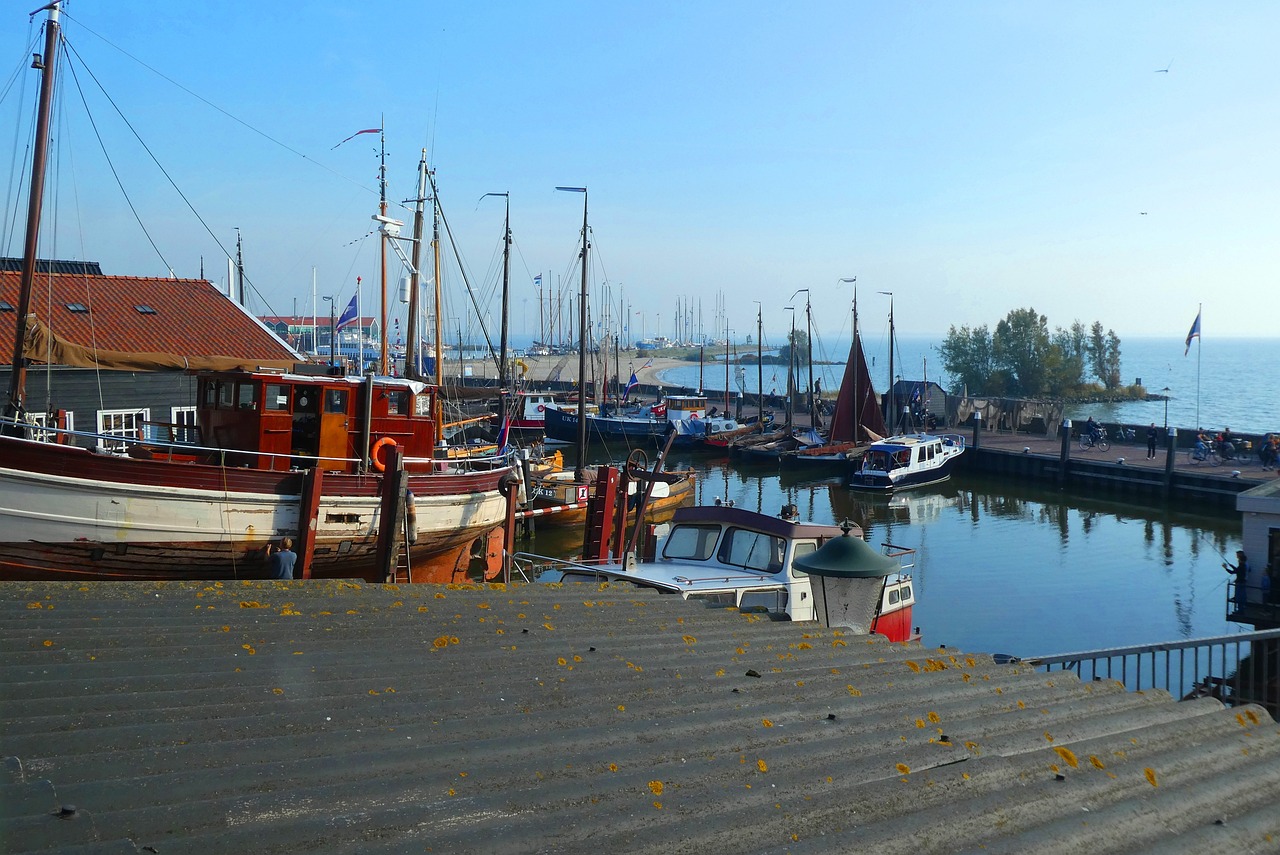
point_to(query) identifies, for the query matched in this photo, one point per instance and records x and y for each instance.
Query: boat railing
(1236, 669)
(123, 441)
(530, 564)
(953, 439)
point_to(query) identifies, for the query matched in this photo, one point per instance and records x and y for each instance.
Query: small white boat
(905, 461)
(737, 558)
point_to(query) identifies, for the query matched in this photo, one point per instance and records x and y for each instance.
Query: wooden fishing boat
(274, 452)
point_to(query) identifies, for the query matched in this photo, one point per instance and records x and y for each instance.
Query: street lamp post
(1165, 392)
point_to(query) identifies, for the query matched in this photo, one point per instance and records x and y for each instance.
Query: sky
(1095, 161)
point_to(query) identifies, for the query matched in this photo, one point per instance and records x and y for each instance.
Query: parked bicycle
(1206, 452)
(1125, 434)
(1088, 440)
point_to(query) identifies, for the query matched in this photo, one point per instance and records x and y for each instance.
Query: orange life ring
(375, 453)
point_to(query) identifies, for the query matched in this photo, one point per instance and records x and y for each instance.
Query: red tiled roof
(191, 317)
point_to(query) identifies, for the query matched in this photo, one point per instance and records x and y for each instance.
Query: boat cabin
(680, 407)
(290, 419)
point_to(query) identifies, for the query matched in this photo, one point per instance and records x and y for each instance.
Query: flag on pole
(348, 315)
(1195, 333)
(631, 384)
(537, 280)
(358, 133)
(503, 435)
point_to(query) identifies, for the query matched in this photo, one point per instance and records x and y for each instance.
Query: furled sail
(44, 346)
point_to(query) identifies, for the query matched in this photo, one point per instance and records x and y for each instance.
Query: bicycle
(1125, 434)
(1196, 456)
(1088, 441)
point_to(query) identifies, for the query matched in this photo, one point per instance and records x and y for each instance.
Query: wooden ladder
(600, 512)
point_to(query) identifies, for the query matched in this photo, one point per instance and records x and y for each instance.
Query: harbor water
(1217, 383)
(1005, 568)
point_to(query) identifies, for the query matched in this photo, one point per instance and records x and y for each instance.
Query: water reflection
(1008, 568)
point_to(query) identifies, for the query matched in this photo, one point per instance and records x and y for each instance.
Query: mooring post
(977, 428)
(1171, 449)
(1064, 453)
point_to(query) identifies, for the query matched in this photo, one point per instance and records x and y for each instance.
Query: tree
(1112, 379)
(967, 356)
(1021, 346)
(1097, 353)
(801, 344)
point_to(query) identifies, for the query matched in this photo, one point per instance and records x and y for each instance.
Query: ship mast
(579, 469)
(382, 210)
(47, 65)
(412, 357)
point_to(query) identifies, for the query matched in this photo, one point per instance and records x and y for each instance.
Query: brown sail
(856, 401)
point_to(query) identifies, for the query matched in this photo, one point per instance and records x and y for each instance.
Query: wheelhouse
(284, 420)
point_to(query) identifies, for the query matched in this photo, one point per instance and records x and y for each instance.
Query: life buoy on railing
(375, 453)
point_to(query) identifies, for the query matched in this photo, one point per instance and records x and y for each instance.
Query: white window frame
(185, 416)
(121, 423)
(41, 421)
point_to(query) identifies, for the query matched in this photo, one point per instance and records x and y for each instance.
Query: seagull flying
(1164, 70)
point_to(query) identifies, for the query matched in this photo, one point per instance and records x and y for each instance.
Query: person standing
(280, 560)
(1151, 442)
(1241, 572)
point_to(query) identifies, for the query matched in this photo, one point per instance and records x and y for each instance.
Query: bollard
(1064, 452)
(1171, 448)
(977, 428)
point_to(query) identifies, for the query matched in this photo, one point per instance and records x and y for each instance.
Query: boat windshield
(752, 550)
(691, 542)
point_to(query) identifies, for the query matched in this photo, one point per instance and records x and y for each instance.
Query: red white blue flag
(1195, 333)
(349, 313)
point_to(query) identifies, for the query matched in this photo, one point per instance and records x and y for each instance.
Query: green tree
(1021, 346)
(799, 339)
(968, 357)
(1112, 379)
(1097, 349)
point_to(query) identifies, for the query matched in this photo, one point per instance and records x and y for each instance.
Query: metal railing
(1236, 669)
(112, 443)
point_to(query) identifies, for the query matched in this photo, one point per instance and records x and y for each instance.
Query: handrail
(460, 463)
(1215, 667)
(527, 560)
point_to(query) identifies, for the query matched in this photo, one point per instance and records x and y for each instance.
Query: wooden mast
(760, 361)
(506, 302)
(439, 306)
(39, 158)
(382, 209)
(412, 358)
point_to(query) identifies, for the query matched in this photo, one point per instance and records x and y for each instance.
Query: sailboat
(306, 452)
(857, 418)
(905, 460)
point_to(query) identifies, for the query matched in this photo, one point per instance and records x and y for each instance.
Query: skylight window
(144, 309)
(77, 308)
(6, 306)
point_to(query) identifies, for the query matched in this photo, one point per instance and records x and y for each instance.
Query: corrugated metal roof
(280, 717)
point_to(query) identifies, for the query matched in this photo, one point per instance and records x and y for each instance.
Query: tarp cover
(41, 344)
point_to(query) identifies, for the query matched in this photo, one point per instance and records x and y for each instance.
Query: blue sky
(971, 158)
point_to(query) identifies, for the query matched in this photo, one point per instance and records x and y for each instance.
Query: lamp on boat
(848, 580)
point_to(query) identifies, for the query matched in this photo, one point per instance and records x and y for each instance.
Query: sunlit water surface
(1006, 568)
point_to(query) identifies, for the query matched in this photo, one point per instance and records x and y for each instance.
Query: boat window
(893, 597)
(225, 391)
(931, 452)
(753, 550)
(398, 403)
(210, 397)
(906, 592)
(800, 549)
(277, 397)
(335, 401)
(691, 542)
(247, 395)
(422, 405)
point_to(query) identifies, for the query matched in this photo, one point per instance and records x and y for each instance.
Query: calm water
(1004, 569)
(1238, 381)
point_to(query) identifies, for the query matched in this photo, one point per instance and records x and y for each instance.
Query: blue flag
(631, 384)
(537, 280)
(1195, 333)
(348, 314)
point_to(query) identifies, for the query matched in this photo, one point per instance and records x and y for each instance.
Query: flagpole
(1199, 348)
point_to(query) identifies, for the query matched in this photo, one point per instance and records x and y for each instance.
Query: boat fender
(375, 453)
(508, 484)
(411, 516)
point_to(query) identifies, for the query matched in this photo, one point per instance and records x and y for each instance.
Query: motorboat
(906, 460)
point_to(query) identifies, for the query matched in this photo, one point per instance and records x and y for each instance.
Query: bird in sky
(1164, 70)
